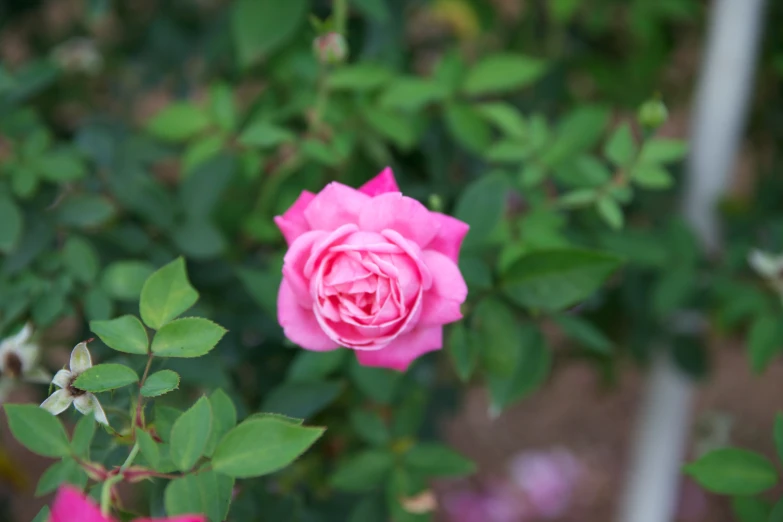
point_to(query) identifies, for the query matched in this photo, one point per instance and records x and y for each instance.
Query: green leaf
(224, 417)
(504, 116)
(660, 151)
(190, 434)
(556, 279)
(11, 223)
(621, 147)
(577, 133)
(437, 460)
(610, 212)
(314, 366)
(67, 471)
(259, 28)
(379, 384)
(585, 333)
(83, 434)
(302, 399)
(187, 337)
(363, 471)
(123, 280)
(778, 434)
(262, 286)
(750, 509)
(80, 259)
(264, 134)
(222, 106)
(651, 177)
(733, 471)
(124, 334)
(200, 151)
(166, 294)
(396, 127)
(160, 383)
(178, 122)
(496, 330)
(149, 448)
(463, 350)
(85, 210)
(43, 515)
(411, 94)
(204, 492)
(165, 417)
(776, 515)
(37, 430)
(468, 128)
(482, 205)
(105, 377)
(363, 76)
(377, 10)
(500, 73)
(533, 366)
(260, 446)
(61, 166)
(765, 341)
(370, 426)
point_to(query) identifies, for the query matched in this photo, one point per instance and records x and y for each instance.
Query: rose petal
(293, 223)
(80, 358)
(449, 237)
(22, 336)
(62, 378)
(399, 353)
(334, 206)
(70, 505)
(393, 211)
(442, 301)
(57, 402)
(299, 324)
(294, 264)
(88, 403)
(380, 184)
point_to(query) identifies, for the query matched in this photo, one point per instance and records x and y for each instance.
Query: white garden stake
(717, 126)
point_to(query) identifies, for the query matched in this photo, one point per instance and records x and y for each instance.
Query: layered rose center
(366, 290)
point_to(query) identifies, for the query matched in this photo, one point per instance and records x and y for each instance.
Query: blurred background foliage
(132, 132)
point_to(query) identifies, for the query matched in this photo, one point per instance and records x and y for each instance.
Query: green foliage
(190, 433)
(187, 337)
(37, 430)
(166, 294)
(160, 383)
(733, 471)
(105, 377)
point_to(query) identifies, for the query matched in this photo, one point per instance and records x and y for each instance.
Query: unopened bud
(330, 48)
(435, 203)
(653, 114)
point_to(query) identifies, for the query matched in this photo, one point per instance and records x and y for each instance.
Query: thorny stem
(109, 484)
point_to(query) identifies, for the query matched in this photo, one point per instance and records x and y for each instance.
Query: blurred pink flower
(71, 505)
(465, 506)
(547, 480)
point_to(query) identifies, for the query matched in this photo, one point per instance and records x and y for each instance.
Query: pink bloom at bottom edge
(71, 505)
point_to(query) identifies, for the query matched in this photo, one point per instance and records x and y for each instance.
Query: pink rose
(371, 270)
(71, 505)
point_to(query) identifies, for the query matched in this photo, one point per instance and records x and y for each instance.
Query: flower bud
(652, 114)
(330, 48)
(435, 203)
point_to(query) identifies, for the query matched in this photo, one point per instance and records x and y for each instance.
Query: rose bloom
(71, 505)
(370, 270)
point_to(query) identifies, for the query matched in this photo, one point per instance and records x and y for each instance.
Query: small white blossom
(83, 401)
(765, 264)
(19, 358)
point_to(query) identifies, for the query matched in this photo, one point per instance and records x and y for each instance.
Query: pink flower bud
(330, 48)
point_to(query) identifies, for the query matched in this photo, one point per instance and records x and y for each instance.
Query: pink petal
(450, 235)
(334, 206)
(293, 223)
(393, 211)
(442, 301)
(299, 323)
(399, 353)
(181, 518)
(294, 263)
(380, 184)
(70, 505)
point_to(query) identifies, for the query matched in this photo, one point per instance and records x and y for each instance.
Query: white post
(717, 126)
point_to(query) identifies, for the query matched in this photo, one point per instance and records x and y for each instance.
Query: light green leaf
(660, 151)
(556, 279)
(61, 166)
(83, 434)
(190, 433)
(105, 377)
(43, 515)
(123, 280)
(259, 28)
(166, 294)
(178, 122)
(265, 135)
(37, 430)
(733, 471)
(621, 147)
(482, 205)
(499, 73)
(188, 337)
(124, 334)
(363, 471)
(610, 212)
(437, 460)
(363, 76)
(506, 117)
(261, 446)
(11, 223)
(651, 177)
(411, 94)
(160, 383)
(224, 418)
(204, 492)
(149, 448)
(80, 259)
(85, 210)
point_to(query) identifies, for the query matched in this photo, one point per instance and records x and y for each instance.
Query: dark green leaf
(11, 223)
(67, 471)
(610, 212)
(660, 151)
(482, 205)
(377, 10)
(224, 418)
(765, 341)
(370, 427)
(506, 117)
(314, 366)
(585, 333)
(360, 77)
(37, 430)
(190, 433)
(363, 471)
(205, 492)
(178, 122)
(105, 377)
(437, 460)
(85, 210)
(379, 384)
(301, 399)
(80, 259)
(124, 334)
(265, 135)
(149, 448)
(411, 94)
(532, 367)
(83, 434)
(750, 509)
(463, 350)
(733, 471)
(468, 128)
(260, 28)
